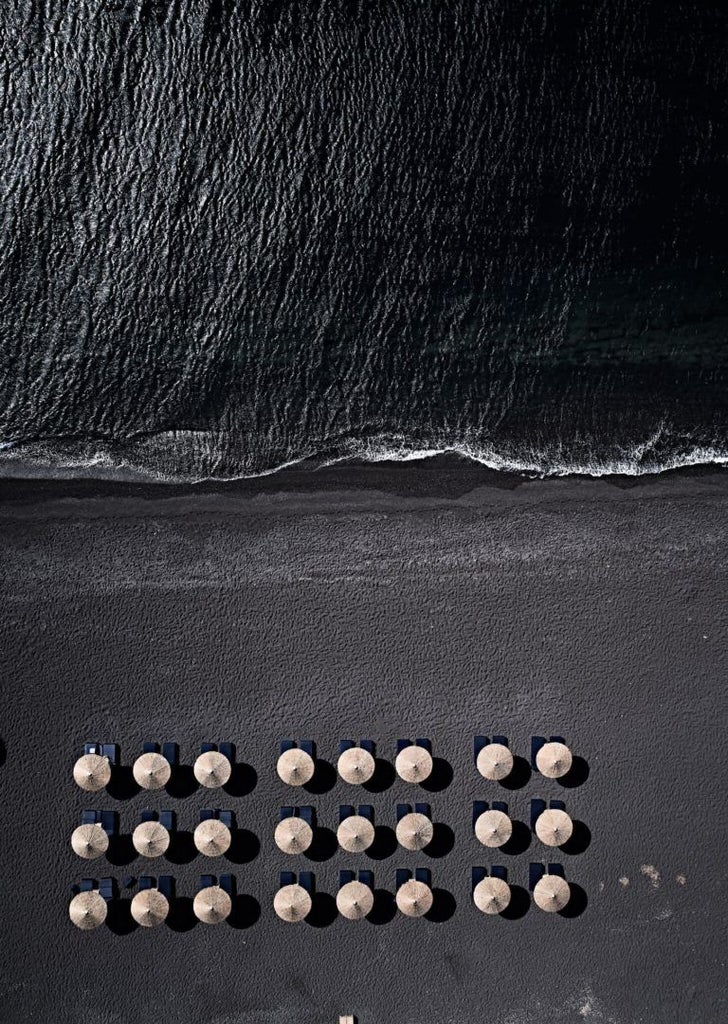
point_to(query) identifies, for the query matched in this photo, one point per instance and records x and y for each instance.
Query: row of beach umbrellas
(92, 772)
(149, 907)
(294, 835)
(293, 903)
(296, 766)
(151, 839)
(553, 827)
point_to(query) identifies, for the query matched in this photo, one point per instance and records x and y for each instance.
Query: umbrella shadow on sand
(182, 848)
(324, 845)
(440, 777)
(443, 906)
(119, 919)
(121, 850)
(243, 780)
(182, 782)
(519, 775)
(576, 775)
(383, 777)
(122, 785)
(323, 910)
(578, 841)
(519, 904)
(577, 904)
(519, 841)
(181, 917)
(324, 778)
(442, 842)
(245, 912)
(385, 843)
(244, 848)
(384, 909)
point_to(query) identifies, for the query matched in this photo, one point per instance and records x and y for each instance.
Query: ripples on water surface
(238, 234)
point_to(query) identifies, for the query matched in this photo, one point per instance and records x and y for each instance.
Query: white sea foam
(150, 458)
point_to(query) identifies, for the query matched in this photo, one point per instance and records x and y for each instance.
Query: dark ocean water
(240, 234)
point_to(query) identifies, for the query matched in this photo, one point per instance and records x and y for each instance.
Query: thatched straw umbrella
(92, 772)
(293, 835)
(553, 760)
(149, 908)
(354, 900)
(295, 767)
(415, 831)
(554, 827)
(493, 828)
(152, 771)
(495, 761)
(212, 769)
(292, 903)
(212, 838)
(414, 899)
(150, 839)
(414, 764)
(212, 905)
(356, 766)
(88, 910)
(492, 895)
(355, 833)
(551, 893)
(89, 841)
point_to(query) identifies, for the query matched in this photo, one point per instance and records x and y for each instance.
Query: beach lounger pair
(403, 875)
(403, 809)
(166, 818)
(226, 749)
(304, 878)
(108, 750)
(308, 814)
(164, 883)
(107, 820)
(349, 810)
(367, 745)
(226, 883)
(169, 751)
(106, 887)
(209, 813)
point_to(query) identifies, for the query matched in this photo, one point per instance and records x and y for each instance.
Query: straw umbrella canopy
(292, 903)
(212, 905)
(414, 764)
(150, 839)
(92, 772)
(493, 828)
(89, 841)
(295, 767)
(152, 771)
(414, 899)
(551, 893)
(415, 831)
(149, 908)
(492, 895)
(212, 838)
(88, 910)
(495, 761)
(553, 760)
(554, 827)
(212, 769)
(293, 835)
(356, 766)
(355, 834)
(354, 900)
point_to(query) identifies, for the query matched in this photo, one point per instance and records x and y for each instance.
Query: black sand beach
(419, 600)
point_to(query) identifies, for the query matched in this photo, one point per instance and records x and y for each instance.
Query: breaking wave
(162, 459)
